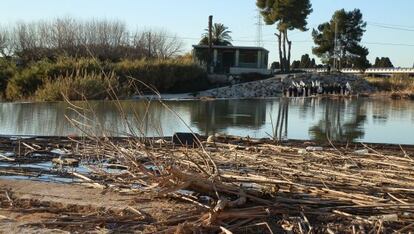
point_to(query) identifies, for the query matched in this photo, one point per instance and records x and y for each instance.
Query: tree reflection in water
(282, 120)
(335, 126)
(358, 119)
(212, 117)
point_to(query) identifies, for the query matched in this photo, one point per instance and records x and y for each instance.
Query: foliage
(275, 65)
(383, 62)
(77, 87)
(7, 71)
(395, 83)
(25, 82)
(350, 29)
(296, 64)
(163, 75)
(306, 62)
(220, 35)
(287, 15)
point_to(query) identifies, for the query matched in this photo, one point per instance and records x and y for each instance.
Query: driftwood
(332, 190)
(258, 184)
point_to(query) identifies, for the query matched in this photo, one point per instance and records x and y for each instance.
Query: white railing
(367, 71)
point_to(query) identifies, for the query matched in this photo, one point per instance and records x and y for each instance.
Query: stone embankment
(273, 87)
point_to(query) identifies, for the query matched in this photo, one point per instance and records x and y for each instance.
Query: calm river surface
(359, 119)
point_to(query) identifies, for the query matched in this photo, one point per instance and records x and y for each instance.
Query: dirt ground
(37, 205)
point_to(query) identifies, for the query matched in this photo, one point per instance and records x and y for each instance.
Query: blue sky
(188, 18)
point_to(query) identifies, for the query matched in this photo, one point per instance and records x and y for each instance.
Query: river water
(358, 119)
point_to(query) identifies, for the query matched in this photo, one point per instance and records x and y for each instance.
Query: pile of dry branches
(249, 185)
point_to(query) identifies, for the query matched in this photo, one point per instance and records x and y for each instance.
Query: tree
(296, 64)
(287, 15)
(383, 62)
(275, 65)
(158, 44)
(350, 29)
(103, 39)
(220, 35)
(313, 63)
(3, 42)
(306, 62)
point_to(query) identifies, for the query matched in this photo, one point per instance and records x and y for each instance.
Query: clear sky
(188, 18)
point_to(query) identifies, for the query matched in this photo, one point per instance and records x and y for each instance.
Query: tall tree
(287, 15)
(350, 28)
(221, 35)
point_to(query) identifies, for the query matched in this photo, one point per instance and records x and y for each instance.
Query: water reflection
(371, 120)
(217, 116)
(334, 123)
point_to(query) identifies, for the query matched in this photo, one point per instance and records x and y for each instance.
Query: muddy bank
(29, 206)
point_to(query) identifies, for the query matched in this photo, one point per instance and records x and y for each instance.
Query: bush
(7, 71)
(25, 82)
(77, 87)
(163, 75)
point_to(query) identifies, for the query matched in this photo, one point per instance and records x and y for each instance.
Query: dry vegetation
(243, 185)
(399, 86)
(44, 56)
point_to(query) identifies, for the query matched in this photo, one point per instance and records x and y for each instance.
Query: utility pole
(210, 42)
(335, 44)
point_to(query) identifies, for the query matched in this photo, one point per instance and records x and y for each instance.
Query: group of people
(316, 88)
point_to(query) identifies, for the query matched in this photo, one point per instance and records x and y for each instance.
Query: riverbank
(274, 87)
(395, 87)
(230, 183)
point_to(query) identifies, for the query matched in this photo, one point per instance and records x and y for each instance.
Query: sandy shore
(37, 203)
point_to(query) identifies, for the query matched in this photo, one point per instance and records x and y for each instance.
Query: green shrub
(163, 75)
(25, 82)
(77, 87)
(7, 71)
(179, 75)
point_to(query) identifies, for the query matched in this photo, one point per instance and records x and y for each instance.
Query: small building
(234, 60)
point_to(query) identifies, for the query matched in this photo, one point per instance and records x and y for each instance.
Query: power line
(393, 28)
(388, 44)
(391, 25)
(297, 41)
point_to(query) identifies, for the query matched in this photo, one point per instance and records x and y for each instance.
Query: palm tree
(221, 35)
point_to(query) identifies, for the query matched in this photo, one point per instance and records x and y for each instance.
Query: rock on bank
(273, 87)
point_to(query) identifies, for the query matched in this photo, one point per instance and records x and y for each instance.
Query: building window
(248, 57)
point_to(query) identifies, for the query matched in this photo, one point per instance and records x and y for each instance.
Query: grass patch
(395, 83)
